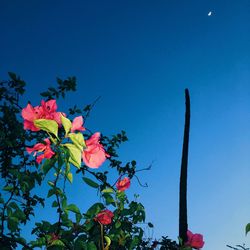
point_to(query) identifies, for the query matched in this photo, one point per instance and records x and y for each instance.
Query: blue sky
(139, 56)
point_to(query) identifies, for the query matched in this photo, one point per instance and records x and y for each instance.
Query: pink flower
(104, 217)
(47, 110)
(39, 148)
(30, 114)
(195, 240)
(124, 184)
(77, 124)
(94, 155)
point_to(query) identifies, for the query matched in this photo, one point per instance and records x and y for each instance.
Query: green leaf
(75, 154)
(20, 239)
(53, 191)
(94, 209)
(45, 94)
(91, 246)
(73, 208)
(118, 224)
(80, 242)
(134, 243)
(247, 228)
(19, 214)
(49, 126)
(67, 168)
(121, 196)
(109, 199)
(39, 242)
(107, 190)
(57, 243)
(64, 202)
(12, 76)
(8, 188)
(13, 205)
(78, 218)
(26, 185)
(108, 242)
(90, 182)
(78, 140)
(60, 159)
(70, 177)
(12, 224)
(52, 184)
(48, 164)
(150, 224)
(54, 204)
(9, 211)
(50, 192)
(66, 221)
(66, 124)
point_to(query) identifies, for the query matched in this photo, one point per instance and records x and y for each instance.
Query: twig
(145, 185)
(144, 169)
(91, 106)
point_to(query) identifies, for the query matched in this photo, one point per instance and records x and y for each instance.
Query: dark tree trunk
(183, 223)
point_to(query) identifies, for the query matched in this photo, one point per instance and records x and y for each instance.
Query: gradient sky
(139, 56)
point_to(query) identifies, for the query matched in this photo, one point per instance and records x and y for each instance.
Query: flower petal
(77, 124)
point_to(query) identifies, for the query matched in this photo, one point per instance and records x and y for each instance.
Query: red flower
(124, 184)
(104, 217)
(40, 147)
(47, 110)
(94, 155)
(195, 240)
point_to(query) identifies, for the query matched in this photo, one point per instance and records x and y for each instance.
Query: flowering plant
(48, 144)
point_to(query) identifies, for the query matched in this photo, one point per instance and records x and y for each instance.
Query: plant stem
(58, 202)
(102, 236)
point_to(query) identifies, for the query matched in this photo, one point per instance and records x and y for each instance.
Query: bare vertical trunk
(183, 223)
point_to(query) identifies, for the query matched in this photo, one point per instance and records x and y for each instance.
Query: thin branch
(145, 185)
(98, 178)
(147, 168)
(91, 107)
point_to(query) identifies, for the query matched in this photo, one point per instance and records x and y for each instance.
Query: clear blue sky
(139, 56)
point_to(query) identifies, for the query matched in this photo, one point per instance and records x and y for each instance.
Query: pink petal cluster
(47, 110)
(94, 155)
(77, 124)
(45, 149)
(104, 217)
(195, 240)
(124, 184)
